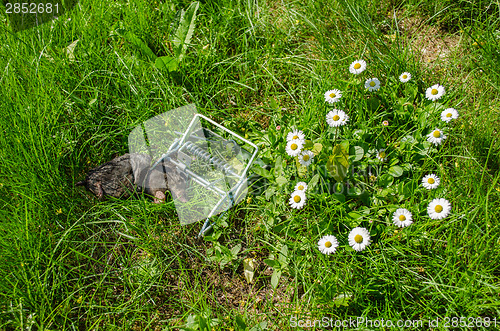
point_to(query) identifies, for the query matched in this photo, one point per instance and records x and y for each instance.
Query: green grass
(68, 261)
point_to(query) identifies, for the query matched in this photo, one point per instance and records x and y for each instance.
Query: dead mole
(130, 175)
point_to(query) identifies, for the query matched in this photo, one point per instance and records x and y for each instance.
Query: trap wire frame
(185, 146)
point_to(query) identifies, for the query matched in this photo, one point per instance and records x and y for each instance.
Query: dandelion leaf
(166, 62)
(183, 30)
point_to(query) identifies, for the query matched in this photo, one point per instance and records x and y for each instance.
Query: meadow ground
(73, 89)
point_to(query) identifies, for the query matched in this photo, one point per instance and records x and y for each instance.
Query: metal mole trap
(203, 162)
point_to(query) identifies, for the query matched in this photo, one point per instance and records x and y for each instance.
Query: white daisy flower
(430, 181)
(336, 118)
(381, 155)
(301, 186)
(293, 147)
(449, 114)
(405, 76)
(306, 157)
(333, 96)
(372, 84)
(359, 238)
(357, 67)
(328, 244)
(434, 92)
(436, 137)
(297, 200)
(438, 209)
(402, 217)
(295, 135)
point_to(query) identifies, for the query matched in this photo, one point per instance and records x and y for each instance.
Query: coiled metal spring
(200, 152)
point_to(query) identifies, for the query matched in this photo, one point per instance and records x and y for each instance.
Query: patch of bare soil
(428, 42)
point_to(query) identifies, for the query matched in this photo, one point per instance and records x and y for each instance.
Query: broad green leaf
(273, 103)
(354, 190)
(184, 30)
(283, 255)
(281, 181)
(235, 250)
(249, 265)
(342, 300)
(317, 148)
(345, 147)
(270, 192)
(313, 182)
(262, 172)
(355, 215)
(338, 196)
(70, 50)
(385, 180)
(259, 327)
(338, 163)
(356, 153)
(275, 278)
(166, 62)
(278, 166)
(301, 170)
(271, 263)
(395, 171)
(241, 324)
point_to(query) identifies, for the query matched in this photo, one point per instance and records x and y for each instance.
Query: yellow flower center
(295, 137)
(296, 199)
(436, 134)
(357, 66)
(306, 157)
(405, 76)
(332, 95)
(381, 155)
(301, 187)
(336, 117)
(294, 146)
(430, 180)
(438, 208)
(358, 238)
(372, 83)
(448, 115)
(328, 244)
(434, 91)
(402, 218)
